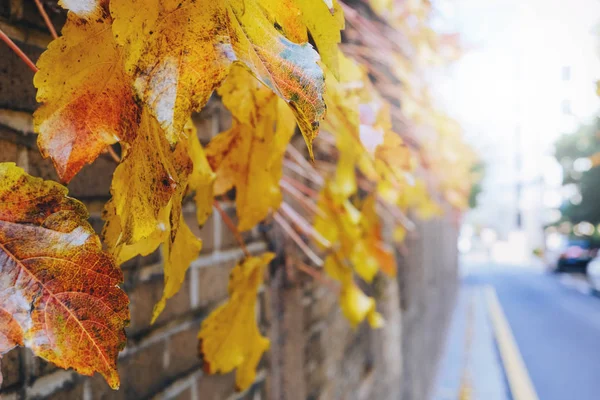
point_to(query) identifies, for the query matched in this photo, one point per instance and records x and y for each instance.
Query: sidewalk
(471, 368)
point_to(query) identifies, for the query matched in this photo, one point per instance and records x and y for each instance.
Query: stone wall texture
(314, 353)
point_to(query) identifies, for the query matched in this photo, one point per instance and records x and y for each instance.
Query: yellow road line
(516, 372)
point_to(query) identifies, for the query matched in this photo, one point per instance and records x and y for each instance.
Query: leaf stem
(231, 227)
(18, 51)
(46, 18)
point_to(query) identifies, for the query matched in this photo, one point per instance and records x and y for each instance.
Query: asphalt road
(556, 327)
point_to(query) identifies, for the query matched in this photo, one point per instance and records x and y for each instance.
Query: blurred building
(528, 75)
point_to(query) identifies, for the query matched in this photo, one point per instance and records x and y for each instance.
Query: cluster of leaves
(133, 72)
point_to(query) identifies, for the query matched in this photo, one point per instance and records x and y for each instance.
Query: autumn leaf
(249, 156)
(356, 306)
(180, 51)
(58, 289)
(324, 21)
(373, 237)
(339, 220)
(181, 247)
(146, 209)
(87, 100)
(229, 337)
(146, 180)
(202, 179)
(87, 9)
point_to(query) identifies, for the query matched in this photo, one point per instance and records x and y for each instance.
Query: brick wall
(314, 353)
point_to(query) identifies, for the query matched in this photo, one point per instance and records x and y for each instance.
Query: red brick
(146, 294)
(16, 79)
(185, 395)
(183, 351)
(8, 151)
(101, 391)
(12, 373)
(216, 387)
(205, 233)
(68, 392)
(31, 15)
(142, 373)
(212, 283)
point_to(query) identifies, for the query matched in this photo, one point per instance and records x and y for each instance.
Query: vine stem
(18, 51)
(306, 203)
(231, 227)
(298, 240)
(301, 187)
(304, 225)
(113, 154)
(46, 18)
(317, 275)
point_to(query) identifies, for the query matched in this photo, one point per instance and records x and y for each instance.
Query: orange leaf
(88, 102)
(58, 289)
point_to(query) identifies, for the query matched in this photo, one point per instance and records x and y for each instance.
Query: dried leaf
(88, 102)
(202, 178)
(56, 283)
(180, 51)
(324, 21)
(373, 239)
(87, 9)
(146, 180)
(146, 211)
(249, 156)
(357, 307)
(229, 337)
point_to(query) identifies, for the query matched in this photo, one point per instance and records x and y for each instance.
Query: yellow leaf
(146, 209)
(341, 220)
(324, 22)
(87, 100)
(179, 51)
(202, 178)
(146, 179)
(375, 244)
(399, 234)
(365, 264)
(249, 156)
(357, 306)
(87, 9)
(336, 270)
(287, 17)
(178, 253)
(229, 337)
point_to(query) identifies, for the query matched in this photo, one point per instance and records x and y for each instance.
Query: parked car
(593, 271)
(575, 258)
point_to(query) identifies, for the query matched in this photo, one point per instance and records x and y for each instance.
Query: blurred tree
(579, 155)
(477, 171)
